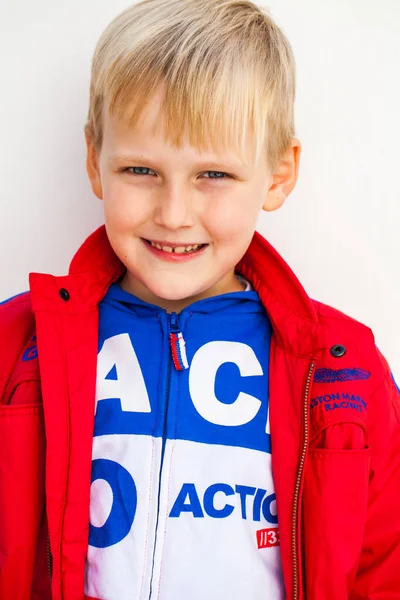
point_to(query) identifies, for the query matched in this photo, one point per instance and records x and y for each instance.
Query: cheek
(124, 209)
(232, 221)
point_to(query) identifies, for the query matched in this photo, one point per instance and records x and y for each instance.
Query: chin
(173, 291)
(174, 294)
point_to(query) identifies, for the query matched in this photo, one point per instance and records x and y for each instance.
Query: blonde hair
(224, 64)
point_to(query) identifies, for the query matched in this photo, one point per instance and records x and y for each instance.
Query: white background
(339, 229)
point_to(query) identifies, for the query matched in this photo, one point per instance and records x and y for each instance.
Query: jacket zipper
(49, 558)
(296, 586)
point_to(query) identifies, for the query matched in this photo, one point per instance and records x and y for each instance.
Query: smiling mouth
(175, 249)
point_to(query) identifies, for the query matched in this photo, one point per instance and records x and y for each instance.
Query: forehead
(150, 123)
(147, 136)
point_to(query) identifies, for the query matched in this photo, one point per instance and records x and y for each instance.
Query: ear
(92, 165)
(285, 177)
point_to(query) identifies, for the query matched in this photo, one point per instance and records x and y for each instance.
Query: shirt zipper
(177, 344)
(167, 389)
(296, 586)
(173, 330)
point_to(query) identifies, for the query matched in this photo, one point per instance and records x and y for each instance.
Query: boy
(178, 418)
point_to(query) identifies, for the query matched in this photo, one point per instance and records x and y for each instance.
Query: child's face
(176, 199)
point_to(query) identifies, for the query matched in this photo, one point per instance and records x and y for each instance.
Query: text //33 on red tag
(268, 538)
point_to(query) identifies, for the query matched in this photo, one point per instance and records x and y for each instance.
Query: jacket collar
(95, 266)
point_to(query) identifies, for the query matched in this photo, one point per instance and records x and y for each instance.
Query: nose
(174, 209)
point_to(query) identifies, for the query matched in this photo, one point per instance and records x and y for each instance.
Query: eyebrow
(139, 160)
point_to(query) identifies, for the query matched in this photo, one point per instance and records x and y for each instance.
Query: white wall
(339, 230)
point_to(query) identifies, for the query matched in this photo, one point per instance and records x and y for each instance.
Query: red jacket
(335, 431)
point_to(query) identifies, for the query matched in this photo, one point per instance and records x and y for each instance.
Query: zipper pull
(177, 344)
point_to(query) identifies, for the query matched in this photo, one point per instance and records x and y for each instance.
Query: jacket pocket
(334, 516)
(26, 392)
(22, 471)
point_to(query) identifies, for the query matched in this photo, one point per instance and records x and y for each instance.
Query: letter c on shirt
(203, 371)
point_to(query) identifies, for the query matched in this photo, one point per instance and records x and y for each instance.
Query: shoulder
(17, 327)
(332, 319)
(357, 338)
(330, 314)
(16, 312)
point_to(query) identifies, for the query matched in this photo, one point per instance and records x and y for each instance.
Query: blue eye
(145, 171)
(218, 173)
(139, 168)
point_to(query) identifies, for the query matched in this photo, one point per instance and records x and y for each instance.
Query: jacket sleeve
(378, 576)
(22, 457)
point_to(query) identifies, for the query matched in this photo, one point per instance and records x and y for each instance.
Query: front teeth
(177, 250)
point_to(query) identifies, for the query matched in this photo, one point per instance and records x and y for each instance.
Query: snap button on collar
(64, 294)
(338, 350)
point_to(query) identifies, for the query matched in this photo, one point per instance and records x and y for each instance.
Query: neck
(228, 284)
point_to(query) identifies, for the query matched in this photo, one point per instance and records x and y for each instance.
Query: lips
(175, 248)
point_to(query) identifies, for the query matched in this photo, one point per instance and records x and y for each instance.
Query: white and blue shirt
(182, 497)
